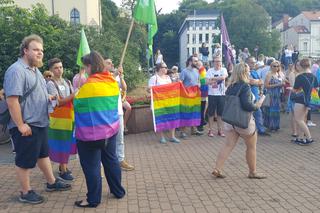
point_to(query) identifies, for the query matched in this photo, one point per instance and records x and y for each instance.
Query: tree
(62, 40)
(249, 25)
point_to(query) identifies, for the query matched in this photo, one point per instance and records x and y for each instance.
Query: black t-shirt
(305, 82)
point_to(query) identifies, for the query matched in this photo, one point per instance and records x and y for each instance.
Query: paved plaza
(177, 178)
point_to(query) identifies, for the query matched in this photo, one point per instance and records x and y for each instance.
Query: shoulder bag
(233, 113)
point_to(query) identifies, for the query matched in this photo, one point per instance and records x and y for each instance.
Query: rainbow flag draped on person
(203, 86)
(174, 105)
(96, 108)
(60, 134)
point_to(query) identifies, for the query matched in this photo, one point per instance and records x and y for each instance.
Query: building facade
(303, 32)
(86, 12)
(201, 27)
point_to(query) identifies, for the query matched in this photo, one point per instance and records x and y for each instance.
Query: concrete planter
(140, 119)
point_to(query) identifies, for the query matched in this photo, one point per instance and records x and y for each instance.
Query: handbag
(233, 113)
(4, 111)
(267, 101)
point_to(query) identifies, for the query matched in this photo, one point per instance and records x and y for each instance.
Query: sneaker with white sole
(311, 124)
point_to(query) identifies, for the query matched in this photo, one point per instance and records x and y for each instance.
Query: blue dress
(272, 113)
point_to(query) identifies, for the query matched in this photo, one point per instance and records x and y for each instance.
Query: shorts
(30, 148)
(242, 132)
(215, 104)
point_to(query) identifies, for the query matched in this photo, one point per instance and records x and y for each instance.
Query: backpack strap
(24, 97)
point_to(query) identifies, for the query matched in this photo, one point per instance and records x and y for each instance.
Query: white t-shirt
(120, 110)
(219, 88)
(157, 80)
(288, 52)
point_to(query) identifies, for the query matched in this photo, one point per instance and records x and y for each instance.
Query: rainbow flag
(96, 108)
(174, 105)
(203, 85)
(60, 134)
(315, 100)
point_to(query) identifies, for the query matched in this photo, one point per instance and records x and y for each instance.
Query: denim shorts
(30, 148)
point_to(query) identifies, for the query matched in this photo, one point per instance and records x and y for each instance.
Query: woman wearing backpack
(303, 85)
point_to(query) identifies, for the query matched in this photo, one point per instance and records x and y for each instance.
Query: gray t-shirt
(189, 77)
(63, 86)
(20, 78)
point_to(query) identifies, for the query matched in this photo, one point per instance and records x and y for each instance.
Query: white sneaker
(311, 124)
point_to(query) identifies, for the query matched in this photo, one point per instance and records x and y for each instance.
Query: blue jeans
(259, 121)
(120, 140)
(92, 154)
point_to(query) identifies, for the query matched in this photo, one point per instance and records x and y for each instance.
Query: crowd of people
(88, 116)
(71, 118)
(266, 88)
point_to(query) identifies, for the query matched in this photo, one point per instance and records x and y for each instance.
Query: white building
(303, 32)
(86, 12)
(201, 27)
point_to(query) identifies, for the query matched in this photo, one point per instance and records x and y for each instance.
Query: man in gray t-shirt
(29, 119)
(190, 75)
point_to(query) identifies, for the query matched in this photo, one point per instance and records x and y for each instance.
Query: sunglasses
(49, 76)
(275, 66)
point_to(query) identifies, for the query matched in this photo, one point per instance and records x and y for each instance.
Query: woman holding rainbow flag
(97, 124)
(161, 78)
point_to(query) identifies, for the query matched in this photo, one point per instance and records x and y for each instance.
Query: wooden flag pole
(126, 44)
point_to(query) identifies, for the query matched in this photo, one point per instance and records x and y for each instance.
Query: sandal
(89, 205)
(210, 133)
(220, 133)
(256, 176)
(218, 174)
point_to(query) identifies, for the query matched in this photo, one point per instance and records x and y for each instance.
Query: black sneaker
(66, 176)
(264, 134)
(31, 197)
(58, 185)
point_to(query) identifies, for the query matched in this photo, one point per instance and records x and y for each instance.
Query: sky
(166, 5)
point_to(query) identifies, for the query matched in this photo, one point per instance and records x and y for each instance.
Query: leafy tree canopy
(62, 39)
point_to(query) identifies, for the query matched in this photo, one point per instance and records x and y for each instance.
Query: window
(194, 25)
(193, 38)
(207, 37)
(212, 24)
(200, 38)
(193, 50)
(200, 25)
(188, 38)
(75, 16)
(305, 46)
(206, 25)
(188, 52)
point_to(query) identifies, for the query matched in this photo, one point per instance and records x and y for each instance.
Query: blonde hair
(240, 73)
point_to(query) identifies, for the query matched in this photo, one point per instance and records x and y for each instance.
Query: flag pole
(126, 44)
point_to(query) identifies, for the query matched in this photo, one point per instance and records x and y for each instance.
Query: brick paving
(177, 178)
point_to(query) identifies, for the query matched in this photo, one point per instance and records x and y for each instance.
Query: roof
(312, 15)
(300, 29)
(201, 14)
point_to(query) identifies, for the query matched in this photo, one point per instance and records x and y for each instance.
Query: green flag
(83, 48)
(145, 12)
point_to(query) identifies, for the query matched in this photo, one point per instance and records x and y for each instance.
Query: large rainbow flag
(174, 105)
(60, 134)
(96, 108)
